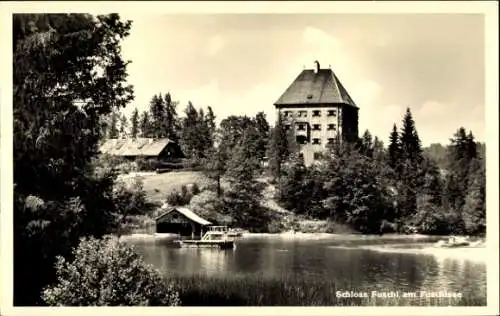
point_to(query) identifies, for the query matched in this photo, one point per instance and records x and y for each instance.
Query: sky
(240, 64)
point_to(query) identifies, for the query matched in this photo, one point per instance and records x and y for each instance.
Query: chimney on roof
(316, 69)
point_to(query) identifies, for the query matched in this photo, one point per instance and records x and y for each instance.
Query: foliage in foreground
(108, 273)
(256, 290)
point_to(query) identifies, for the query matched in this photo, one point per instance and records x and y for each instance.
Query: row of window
(317, 141)
(315, 127)
(316, 155)
(315, 113)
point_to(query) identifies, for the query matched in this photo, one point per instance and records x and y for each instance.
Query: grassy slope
(158, 186)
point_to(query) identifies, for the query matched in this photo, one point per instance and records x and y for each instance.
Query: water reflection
(344, 261)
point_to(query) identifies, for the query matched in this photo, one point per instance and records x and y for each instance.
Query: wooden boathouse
(181, 221)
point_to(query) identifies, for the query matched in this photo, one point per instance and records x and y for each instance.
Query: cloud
(433, 120)
(214, 45)
(202, 96)
(319, 45)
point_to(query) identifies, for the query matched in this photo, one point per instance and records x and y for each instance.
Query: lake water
(344, 259)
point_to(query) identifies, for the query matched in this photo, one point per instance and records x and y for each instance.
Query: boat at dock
(216, 237)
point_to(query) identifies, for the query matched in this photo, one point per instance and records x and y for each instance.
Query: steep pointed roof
(310, 87)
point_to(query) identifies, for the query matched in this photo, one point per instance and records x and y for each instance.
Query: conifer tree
(145, 125)
(244, 193)
(211, 124)
(474, 209)
(157, 110)
(461, 152)
(113, 125)
(262, 127)
(193, 134)
(394, 150)
(123, 126)
(170, 124)
(134, 123)
(411, 148)
(378, 150)
(367, 144)
(278, 148)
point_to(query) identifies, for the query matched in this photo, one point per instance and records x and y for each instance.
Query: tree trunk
(218, 186)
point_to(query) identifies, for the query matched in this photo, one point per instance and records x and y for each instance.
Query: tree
(394, 150)
(262, 127)
(134, 124)
(215, 166)
(354, 191)
(210, 121)
(123, 126)
(113, 126)
(433, 182)
(157, 110)
(367, 144)
(411, 148)
(231, 132)
(378, 150)
(278, 148)
(68, 74)
(145, 125)
(461, 152)
(108, 273)
(244, 192)
(209, 205)
(194, 135)
(474, 209)
(170, 125)
(301, 189)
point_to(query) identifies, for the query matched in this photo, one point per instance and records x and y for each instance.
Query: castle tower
(319, 110)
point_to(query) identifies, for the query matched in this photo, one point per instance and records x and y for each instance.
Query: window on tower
(332, 113)
(316, 113)
(316, 127)
(316, 141)
(302, 113)
(331, 127)
(301, 127)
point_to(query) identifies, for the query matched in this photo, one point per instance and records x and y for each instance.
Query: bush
(195, 189)
(130, 198)
(435, 220)
(207, 205)
(108, 273)
(276, 226)
(180, 198)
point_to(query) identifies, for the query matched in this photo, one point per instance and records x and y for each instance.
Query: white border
(488, 8)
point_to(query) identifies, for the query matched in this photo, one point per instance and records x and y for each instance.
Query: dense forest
(69, 92)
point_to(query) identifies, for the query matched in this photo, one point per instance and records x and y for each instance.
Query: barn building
(162, 149)
(182, 221)
(319, 110)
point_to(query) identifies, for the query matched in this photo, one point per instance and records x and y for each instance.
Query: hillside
(159, 185)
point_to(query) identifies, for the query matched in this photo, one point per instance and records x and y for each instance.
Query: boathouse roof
(186, 212)
(315, 87)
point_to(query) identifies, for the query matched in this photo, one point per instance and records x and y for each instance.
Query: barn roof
(186, 212)
(135, 146)
(313, 88)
